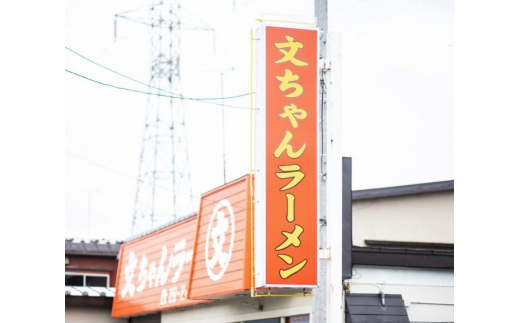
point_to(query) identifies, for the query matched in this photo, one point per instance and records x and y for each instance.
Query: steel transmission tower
(164, 187)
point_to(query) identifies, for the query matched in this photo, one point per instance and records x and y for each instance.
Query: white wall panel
(428, 293)
(89, 315)
(417, 218)
(240, 309)
(430, 313)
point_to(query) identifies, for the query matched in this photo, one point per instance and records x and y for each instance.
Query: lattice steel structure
(164, 190)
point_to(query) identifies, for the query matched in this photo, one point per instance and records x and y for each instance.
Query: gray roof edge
(101, 254)
(95, 248)
(403, 190)
(91, 249)
(165, 225)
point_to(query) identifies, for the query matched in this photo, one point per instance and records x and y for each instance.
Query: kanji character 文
(288, 56)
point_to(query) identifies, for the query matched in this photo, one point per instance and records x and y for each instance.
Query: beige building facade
(403, 245)
(402, 256)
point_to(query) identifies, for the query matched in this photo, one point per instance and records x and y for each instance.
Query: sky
(398, 123)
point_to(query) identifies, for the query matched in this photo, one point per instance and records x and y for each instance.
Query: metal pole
(319, 302)
(347, 217)
(335, 311)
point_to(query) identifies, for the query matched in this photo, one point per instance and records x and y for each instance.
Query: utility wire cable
(140, 180)
(116, 172)
(125, 175)
(156, 88)
(136, 9)
(149, 93)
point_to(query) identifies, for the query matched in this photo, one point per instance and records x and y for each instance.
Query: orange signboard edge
(260, 142)
(119, 269)
(247, 274)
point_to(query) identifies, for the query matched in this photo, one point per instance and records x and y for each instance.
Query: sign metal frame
(260, 154)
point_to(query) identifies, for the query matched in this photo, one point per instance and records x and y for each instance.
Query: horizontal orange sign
(153, 272)
(223, 251)
(203, 257)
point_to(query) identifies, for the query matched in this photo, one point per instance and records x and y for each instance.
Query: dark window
(73, 280)
(99, 281)
(298, 319)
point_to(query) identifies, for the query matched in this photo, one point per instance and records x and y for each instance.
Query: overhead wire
(133, 10)
(149, 93)
(199, 19)
(145, 182)
(72, 8)
(135, 20)
(117, 172)
(153, 87)
(172, 95)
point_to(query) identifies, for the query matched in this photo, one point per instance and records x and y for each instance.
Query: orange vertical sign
(291, 154)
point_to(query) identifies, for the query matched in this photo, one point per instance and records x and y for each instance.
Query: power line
(156, 88)
(149, 93)
(121, 174)
(136, 9)
(140, 180)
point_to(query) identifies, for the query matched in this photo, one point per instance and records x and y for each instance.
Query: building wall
(240, 309)
(428, 294)
(88, 315)
(94, 265)
(418, 218)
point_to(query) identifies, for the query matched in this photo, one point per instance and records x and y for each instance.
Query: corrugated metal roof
(107, 248)
(403, 190)
(167, 224)
(403, 257)
(369, 308)
(91, 248)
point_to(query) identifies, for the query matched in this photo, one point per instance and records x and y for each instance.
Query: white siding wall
(89, 315)
(428, 293)
(418, 218)
(234, 310)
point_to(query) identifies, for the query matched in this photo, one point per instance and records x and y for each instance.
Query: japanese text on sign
(152, 275)
(288, 82)
(287, 217)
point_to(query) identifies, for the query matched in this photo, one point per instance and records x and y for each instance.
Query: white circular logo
(221, 225)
